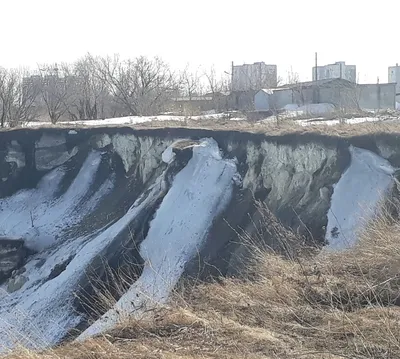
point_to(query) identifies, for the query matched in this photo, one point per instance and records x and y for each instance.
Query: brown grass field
(303, 304)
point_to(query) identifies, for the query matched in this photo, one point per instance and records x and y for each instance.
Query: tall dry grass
(334, 304)
(292, 303)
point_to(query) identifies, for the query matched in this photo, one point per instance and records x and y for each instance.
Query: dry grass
(298, 305)
(281, 128)
(272, 128)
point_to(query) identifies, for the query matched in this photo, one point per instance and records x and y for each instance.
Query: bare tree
(292, 77)
(141, 86)
(56, 87)
(349, 97)
(7, 88)
(89, 99)
(190, 88)
(156, 83)
(190, 83)
(25, 98)
(217, 83)
(218, 86)
(17, 98)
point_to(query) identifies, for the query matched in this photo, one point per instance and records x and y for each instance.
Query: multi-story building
(394, 77)
(338, 70)
(254, 77)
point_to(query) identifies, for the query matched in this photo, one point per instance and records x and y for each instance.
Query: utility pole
(232, 77)
(316, 90)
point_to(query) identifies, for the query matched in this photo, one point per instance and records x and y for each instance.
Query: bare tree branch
(141, 86)
(56, 87)
(17, 100)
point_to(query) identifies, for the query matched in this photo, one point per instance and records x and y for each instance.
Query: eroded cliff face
(81, 198)
(12, 256)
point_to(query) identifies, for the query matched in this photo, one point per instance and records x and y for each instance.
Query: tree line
(96, 87)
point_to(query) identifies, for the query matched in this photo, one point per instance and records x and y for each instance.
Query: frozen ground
(307, 115)
(198, 195)
(132, 120)
(41, 313)
(39, 217)
(356, 196)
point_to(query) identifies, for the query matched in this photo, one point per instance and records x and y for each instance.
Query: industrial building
(254, 77)
(342, 94)
(338, 70)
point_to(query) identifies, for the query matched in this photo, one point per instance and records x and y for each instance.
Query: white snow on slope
(168, 155)
(356, 196)
(198, 194)
(40, 315)
(49, 214)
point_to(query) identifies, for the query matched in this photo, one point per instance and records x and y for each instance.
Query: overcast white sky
(205, 32)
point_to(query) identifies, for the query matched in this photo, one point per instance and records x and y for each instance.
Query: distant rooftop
(335, 63)
(255, 63)
(322, 82)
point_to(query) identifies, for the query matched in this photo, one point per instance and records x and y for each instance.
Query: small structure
(335, 91)
(376, 96)
(341, 93)
(241, 100)
(262, 100)
(338, 70)
(196, 105)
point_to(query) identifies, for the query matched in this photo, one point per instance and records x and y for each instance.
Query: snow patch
(42, 312)
(199, 192)
(131, 120)
(168, 155)
(356, 196)
(349, 121)
(39, 217)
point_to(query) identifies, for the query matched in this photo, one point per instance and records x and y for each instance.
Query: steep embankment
(166, 202)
